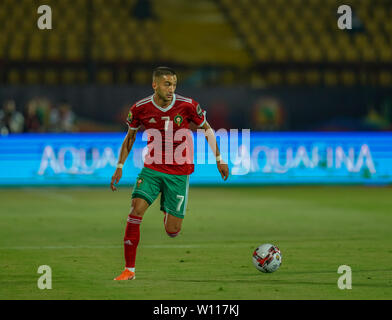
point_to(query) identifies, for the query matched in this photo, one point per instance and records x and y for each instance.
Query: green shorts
(174, 189)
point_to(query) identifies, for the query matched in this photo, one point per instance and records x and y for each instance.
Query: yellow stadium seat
(312, 77)
(263, 54)
(315, 54)
(294, 77)
(68, 76)
(105, 77)
(330, 78)
(280, 54)
(16, 52)
(51, 77)
(385, 54)
(274, 78)
(32, 76)
(141, 77)
(14, 77)
(265, 30)
(385, 78)
(348, 78)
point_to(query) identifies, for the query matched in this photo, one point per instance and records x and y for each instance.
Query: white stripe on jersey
(187, 101)
(143, 101)
(181, 98)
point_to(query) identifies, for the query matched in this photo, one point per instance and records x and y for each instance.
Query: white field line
(51, 194)
(157, 246)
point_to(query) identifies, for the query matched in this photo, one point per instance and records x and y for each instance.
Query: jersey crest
(178, 119)
(139, 182)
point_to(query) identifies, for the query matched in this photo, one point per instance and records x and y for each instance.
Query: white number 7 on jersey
(167, 120)
(180, 202)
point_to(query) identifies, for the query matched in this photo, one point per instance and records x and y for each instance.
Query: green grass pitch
(78, 233)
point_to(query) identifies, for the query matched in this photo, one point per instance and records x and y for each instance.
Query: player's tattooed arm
(223, 168)
(126, 148)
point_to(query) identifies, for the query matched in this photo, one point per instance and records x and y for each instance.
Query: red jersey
(169, 140)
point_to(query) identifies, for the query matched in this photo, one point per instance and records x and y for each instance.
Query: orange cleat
(126, 275)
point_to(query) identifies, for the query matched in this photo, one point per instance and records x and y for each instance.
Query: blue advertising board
(254, 158)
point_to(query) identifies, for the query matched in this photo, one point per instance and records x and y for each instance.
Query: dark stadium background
(269, 66)
(230, 55)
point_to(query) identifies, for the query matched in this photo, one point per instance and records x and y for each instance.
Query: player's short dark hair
(162, 71)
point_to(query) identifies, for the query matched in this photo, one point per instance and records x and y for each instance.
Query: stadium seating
(239, 34)
(305, 31)
(106, 32)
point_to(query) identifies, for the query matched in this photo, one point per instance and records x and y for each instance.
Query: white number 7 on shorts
(180, 202)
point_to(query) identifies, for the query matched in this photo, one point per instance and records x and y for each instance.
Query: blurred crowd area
(225, 110)
(38, 116)
(283, 46)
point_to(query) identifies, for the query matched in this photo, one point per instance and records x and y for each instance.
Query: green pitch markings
(72, 239)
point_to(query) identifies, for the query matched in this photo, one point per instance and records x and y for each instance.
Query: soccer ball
(267, 258)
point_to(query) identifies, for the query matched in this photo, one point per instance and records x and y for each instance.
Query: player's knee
(138, 208)
(136, 212)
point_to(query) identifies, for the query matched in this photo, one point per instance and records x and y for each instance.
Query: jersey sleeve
(196, 114)
(132, 119)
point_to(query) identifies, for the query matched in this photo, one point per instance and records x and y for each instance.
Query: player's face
(165, 86)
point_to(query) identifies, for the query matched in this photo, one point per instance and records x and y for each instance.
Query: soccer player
(166, 117)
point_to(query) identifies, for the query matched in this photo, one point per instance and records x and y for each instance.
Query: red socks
(132, 237)
(131, 240)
